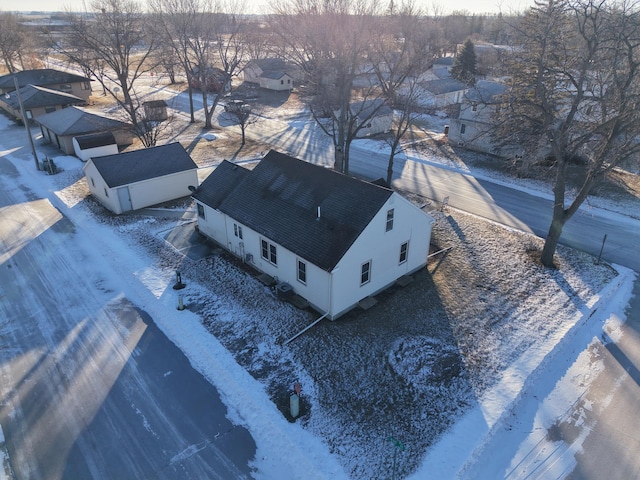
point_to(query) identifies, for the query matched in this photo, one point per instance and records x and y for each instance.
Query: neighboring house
(216, 80)
(61, 126)
(374, 117)
(155, 110)
(141, 178)
(331, 239)
(270, 73)
(474, 123)
(52, 79)
(94, 145)
(441, 92)
(36, 101)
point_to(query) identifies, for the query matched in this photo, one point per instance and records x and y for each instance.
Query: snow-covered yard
(380, 388)
(407, 369)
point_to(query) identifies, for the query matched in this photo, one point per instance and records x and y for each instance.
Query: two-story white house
(472, 128)
(332, 239)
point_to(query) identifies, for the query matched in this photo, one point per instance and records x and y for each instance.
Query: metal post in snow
(601, 249)
(25, 120)
(398, 446)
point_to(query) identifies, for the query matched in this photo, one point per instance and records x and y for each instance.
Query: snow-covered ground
(320, 446)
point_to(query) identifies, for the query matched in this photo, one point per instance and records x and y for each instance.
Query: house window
(49, 109)
(281, 82)
(93, 182)
(302, 272)
(288, 80)
(474, 107)
(29, 114)
(365, 273)
(269, 252)
(106, 192)
(86, 86)
(463, 128)
(200, 210)
(237, 230)
(390, 220)
(404, 250)
(65, 87)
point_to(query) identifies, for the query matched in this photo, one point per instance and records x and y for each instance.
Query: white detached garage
(141, 178)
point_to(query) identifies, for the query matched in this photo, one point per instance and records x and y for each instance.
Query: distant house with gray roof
(373, 116)
(270, 73)
(473, 125)
(141, 178)
(61, 126)
(66, 82)
(36, 101)
(329, 239)
(442, 92)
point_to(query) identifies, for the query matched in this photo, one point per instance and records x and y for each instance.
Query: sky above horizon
(448, 6)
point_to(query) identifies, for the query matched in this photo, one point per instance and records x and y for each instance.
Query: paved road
(89, 387)
(611, 447)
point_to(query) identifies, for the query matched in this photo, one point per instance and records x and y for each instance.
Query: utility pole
(25, 120)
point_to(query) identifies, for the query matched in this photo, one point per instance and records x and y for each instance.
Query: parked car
(237, 106)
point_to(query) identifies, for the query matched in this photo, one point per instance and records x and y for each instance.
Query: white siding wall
(220, 228)
(99, 189)
(382, 248)
(379, 124)
(101, 151)
(342, 290)
(162, 189)
(277, 84)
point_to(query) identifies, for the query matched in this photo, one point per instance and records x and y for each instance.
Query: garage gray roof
(280, 198)
(75, 121)
(138, 165)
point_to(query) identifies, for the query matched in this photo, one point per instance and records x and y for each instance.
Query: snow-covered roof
(137, 165)
(485, 91)
(280, 199)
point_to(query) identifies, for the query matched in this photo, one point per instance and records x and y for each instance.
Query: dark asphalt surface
(89, 386)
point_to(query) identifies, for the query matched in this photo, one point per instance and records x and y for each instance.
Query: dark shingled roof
(444, 85)
(138, 165)
(93, 140)
(215, 188)
(41, 77)
(33, 96)
(280, 197)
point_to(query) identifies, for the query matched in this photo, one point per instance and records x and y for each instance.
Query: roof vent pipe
(318, 218)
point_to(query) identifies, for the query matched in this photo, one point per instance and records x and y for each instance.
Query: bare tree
(574, 97)
(12, 36)
(243, 116)
(207, 38)
(115, 45)
(329, 41)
